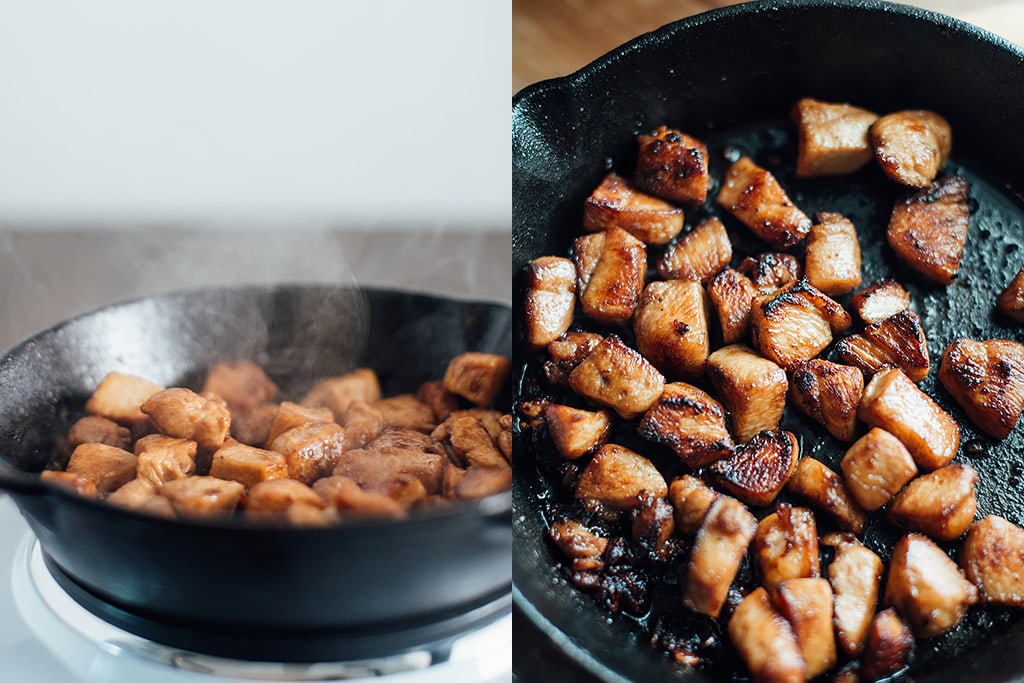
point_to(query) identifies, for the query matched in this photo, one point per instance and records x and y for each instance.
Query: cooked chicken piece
(987, 379)
(940, 504)
(897, 342)
(346, 496)
(766, 642)
(408, 412)
(615, 203)
(770, 271)
(404, 489)
(806, 603)
(312, 450)
(290, 415)
(795, 323)
(549, 301)
(832, 261)
(755, 198)
(490, 419)
(336, 393)
(691, 422)
(96, 429)
(159, 506)
(786, 547)
(832, 138)
(829, 393)
(440, 400)
(477, 377)
(653, 524)
(894, 403)
(877, 302)
(504, 439)
(691, 498)
(119, 397)
(203, 496)
(751, 387)
(134, 494)
(926, 587)
(610, 270)
(79, 483)
(888, 647)
(242, 384)
(992, 556)
(673, 165)
(304, 514)
(182, 413)
(911, 146)
(372, 468)
(246, 464)
(580, 544)
(252, 426)
(576, 432)
(855, 574)
(719, 548)
(699, 255)
(824, 490)
(362, 422)
(928, 229)
(876, 467)
(758, 469)
(671, 326)
(568, 351)
(108, 467)
(478, 481)
(732, 294)
(616, 376)
(272, 497)
(1011, 300)
(616, 476)
(466, 441)
(161, 464)
(162, 442)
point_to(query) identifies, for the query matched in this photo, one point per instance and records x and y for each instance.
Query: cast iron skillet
(730, 77)
(256, 591)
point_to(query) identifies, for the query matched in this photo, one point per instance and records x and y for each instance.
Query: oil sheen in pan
(994, 253)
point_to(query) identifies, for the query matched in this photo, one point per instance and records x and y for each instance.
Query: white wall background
(255, 112)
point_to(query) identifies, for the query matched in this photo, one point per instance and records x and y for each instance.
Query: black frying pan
(225, 586)
(730, 77)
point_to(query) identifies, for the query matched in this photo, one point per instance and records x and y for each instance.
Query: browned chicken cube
(616, 476)
(96, 429)
(1011, 300)
(440, 400)
(770, 271)
(796, 323)
(311, 450)
(347, 496)
(133, 494)
(940, 504)
(478, 481)
(825, 491)
(184, 414)
(272, 497)
(673, 165)
(550, 299)
(928, 229)
(987, 379)
(758, 469)
(615, 203)
(504, 439)
(203, 496)
(750, 386)
(926, 587)
(580, 544)
(689, 421)
(467, 442)
(755, 198)
(690, 498)
(832, 137)
(476, 376)
(108, 467)
(618, 377)
(304, 514)
(162, 458)
(879, 301)
(373, 468)
(829, 393)
(71, 481)
(732, 293)
(876, 467)
(992, 556)
(610, 270)
(859, 352)
(894, 403)
(888, 646)
(119, 397)
(336, 393)
(405, 411)
(653, 523)
(577, 432)
(410, 439)
(896, 342)
(765, 641)
(242, 384)
(246, 464)
(567, 352)
(718, 549)
(786, 547)
(362, 422)
(406, 490)
(290, 415)
(253, 426)
(832, 260)
(699, 255)
(855, 574)
(671, 327)
(806, 603)
(911, 146)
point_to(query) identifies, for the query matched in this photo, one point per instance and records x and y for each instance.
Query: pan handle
(16, 481)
